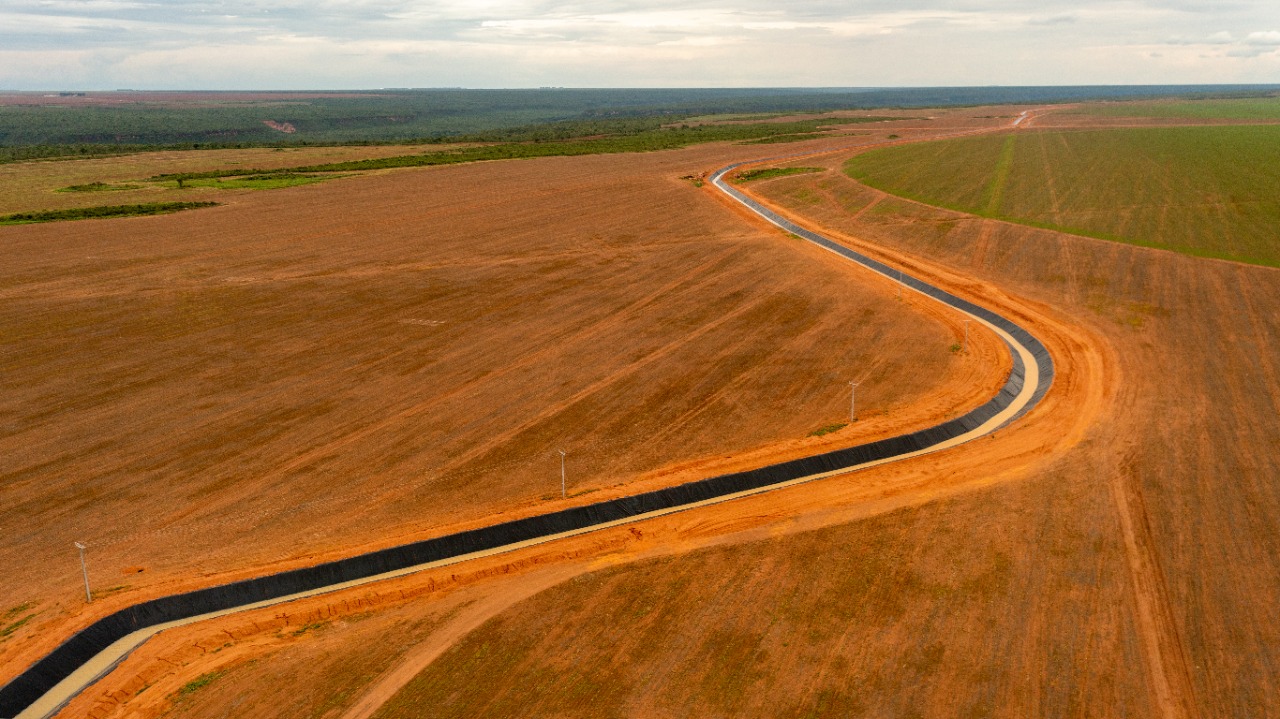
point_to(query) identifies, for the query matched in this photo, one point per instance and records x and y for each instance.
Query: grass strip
(98, 213)
(99, 187)
(995, 191)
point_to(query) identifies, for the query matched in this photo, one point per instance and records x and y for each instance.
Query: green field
(1205, 191)
(1251, 108)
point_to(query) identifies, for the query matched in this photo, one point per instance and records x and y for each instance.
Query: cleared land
(1133, 573)
(830, 503)
(1206, 191)
(241, 382)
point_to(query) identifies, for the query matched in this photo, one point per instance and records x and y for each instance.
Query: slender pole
(84, 570)
(853, 398)
(966, 336)
(562, 489)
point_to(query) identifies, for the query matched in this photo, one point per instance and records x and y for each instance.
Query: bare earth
(307, 373)
(1112, 555)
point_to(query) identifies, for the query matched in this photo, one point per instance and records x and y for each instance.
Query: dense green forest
(106, 123)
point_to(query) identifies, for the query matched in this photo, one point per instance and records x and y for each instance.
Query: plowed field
(1129, 571)
(310, 372)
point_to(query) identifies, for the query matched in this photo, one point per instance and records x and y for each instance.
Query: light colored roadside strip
(106, 660)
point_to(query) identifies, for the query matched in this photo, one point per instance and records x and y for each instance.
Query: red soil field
(797, 510)
(307, 373)
(1112, 555)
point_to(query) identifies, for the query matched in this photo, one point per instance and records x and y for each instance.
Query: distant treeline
(627, 136)
(395, 116)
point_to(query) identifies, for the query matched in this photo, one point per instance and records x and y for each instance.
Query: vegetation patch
(768, 173)
(1210, 191)
(262, 181)
(14, 619)
(200, 682)
(100, 187)
(100, 213)
(828, 429)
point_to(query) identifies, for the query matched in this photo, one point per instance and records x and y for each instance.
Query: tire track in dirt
(1166, 663)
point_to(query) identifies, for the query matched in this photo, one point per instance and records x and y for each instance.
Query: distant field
(1251, 108)
(1204, 191)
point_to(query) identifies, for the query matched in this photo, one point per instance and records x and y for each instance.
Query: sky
(359, 44)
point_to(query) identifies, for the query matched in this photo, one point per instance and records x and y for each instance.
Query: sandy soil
(206, 396)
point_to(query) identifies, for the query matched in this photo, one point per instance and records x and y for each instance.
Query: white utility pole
(84, 570)
(562, 490)
(853, 398)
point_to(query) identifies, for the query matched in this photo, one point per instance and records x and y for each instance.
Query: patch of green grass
(99, 187)
(15, 618)
(99, 213)
(265, 181)
(828, 429)
(1209, 191)
(200, 682)
(1000, 180)
(309, 627)
(768, 173)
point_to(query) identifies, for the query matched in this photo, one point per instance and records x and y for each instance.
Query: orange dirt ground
(1061, 423)
(311, 372)
(1112, 555)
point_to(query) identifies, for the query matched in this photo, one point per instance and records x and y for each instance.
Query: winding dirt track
(1027, 394)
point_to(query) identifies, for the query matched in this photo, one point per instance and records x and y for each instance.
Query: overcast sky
(330, 44)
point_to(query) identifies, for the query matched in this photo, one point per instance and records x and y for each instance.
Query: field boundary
(45, 687)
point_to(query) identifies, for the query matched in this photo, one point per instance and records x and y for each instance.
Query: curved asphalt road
(47, 686)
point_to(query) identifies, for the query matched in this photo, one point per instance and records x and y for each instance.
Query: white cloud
(1264, 38)
(492, 43)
